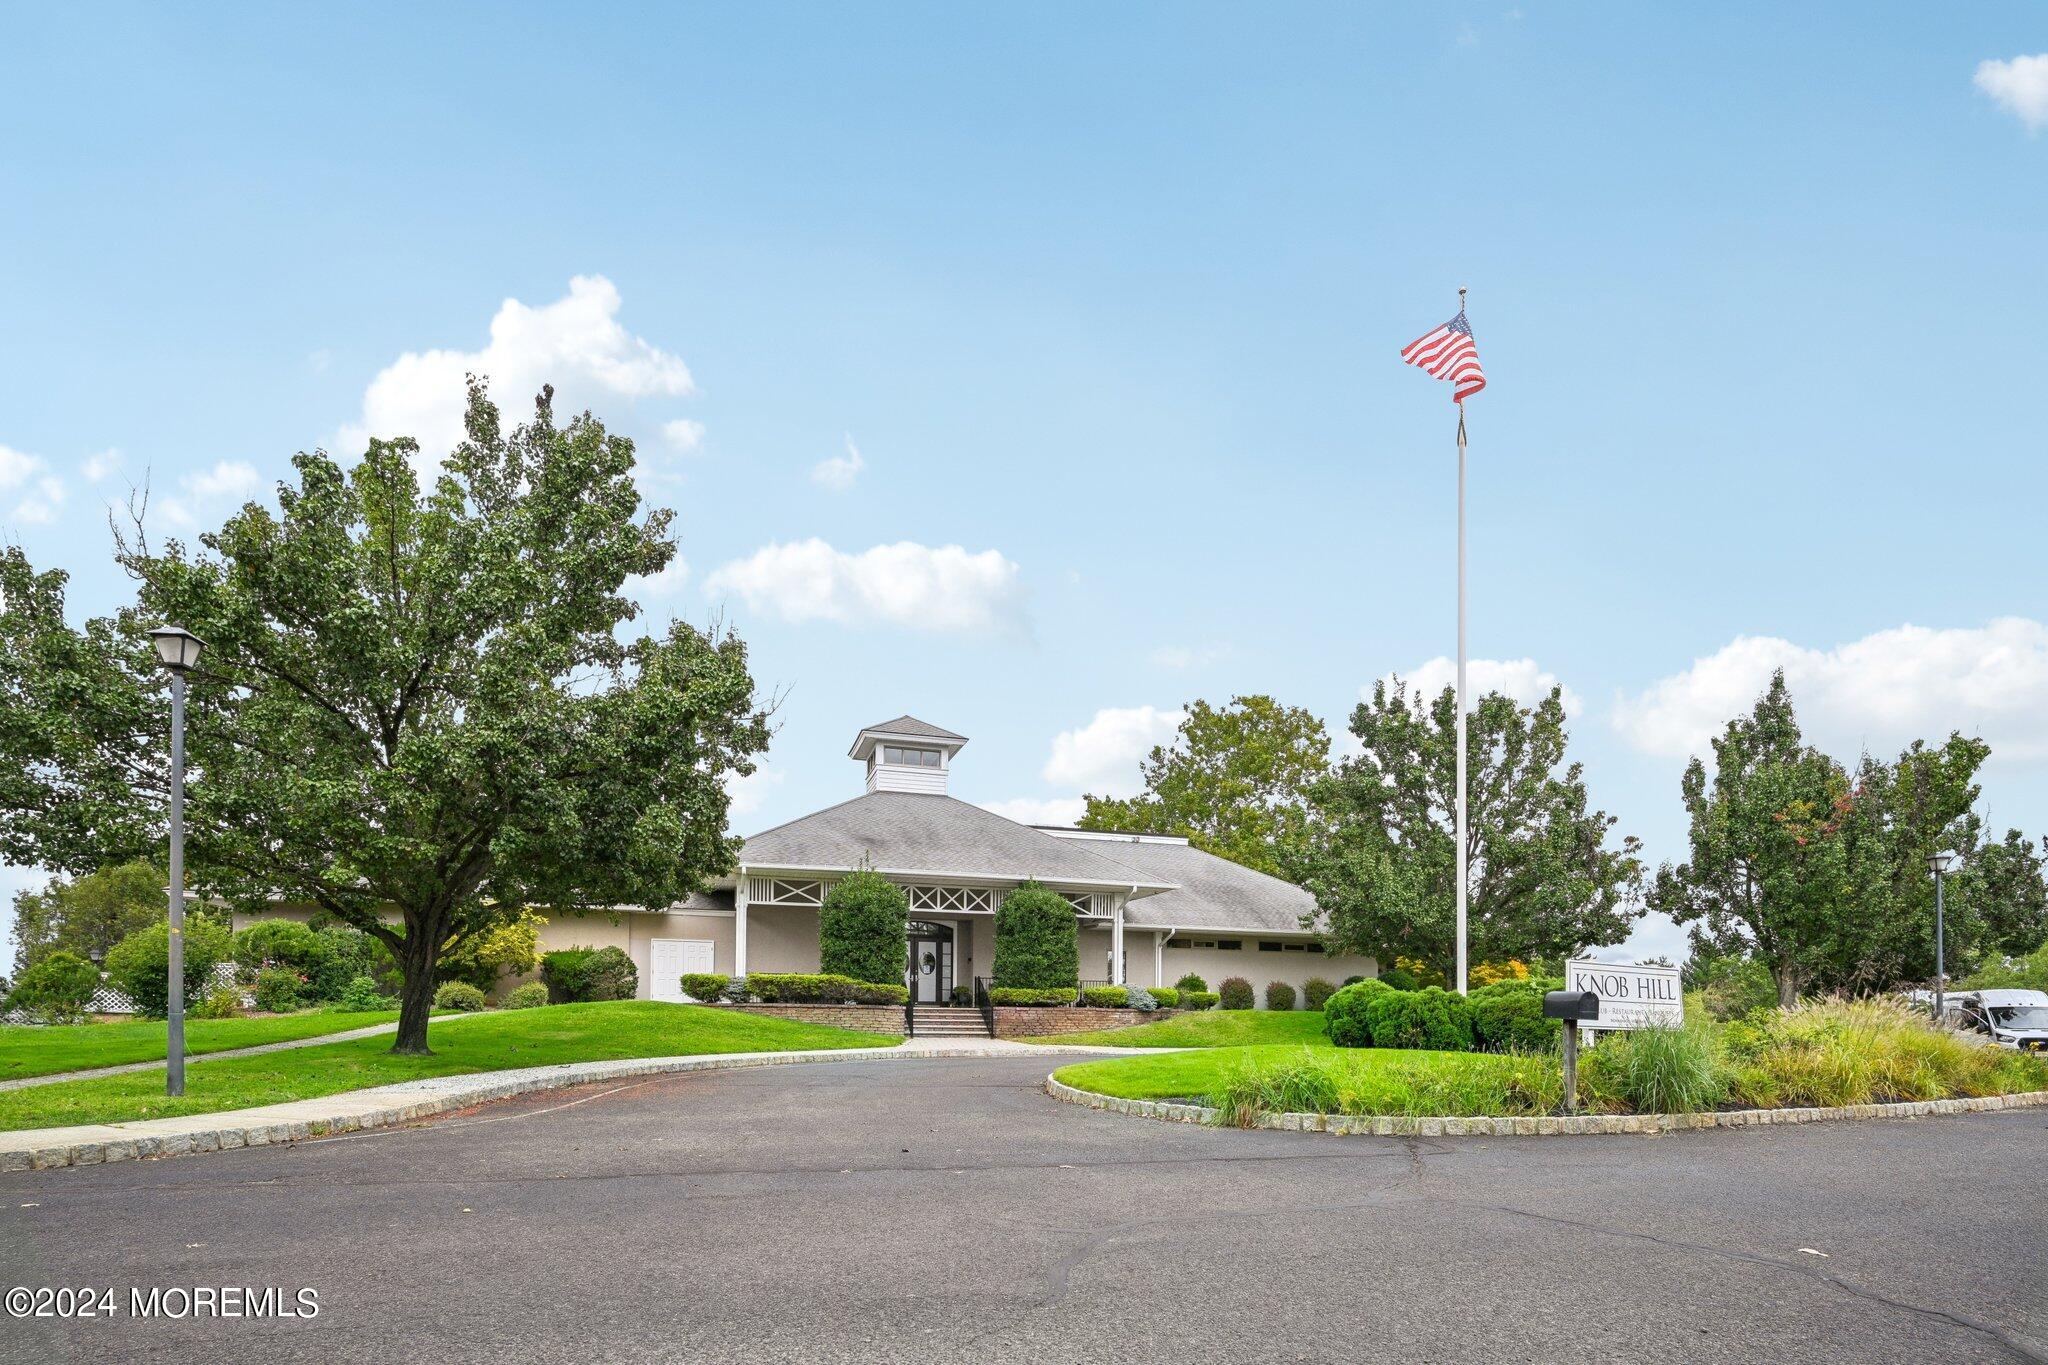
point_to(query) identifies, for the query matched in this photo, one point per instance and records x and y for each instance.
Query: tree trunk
(1788, 987)
(415, 999)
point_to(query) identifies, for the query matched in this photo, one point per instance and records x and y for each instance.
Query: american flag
(1450, 353)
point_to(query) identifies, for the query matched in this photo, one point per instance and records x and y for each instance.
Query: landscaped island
(496, 1041)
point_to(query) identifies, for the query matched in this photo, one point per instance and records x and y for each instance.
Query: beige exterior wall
(1214, 964)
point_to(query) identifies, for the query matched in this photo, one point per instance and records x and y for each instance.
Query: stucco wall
(1214, 964)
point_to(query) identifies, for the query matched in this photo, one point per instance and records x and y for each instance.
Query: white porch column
(739, 924)
(1159, 956)
(1116, 941)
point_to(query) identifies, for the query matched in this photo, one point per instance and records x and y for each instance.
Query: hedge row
(1504, 1017)
(820, 988)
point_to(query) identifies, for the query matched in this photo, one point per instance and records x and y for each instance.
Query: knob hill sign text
(1630, 997)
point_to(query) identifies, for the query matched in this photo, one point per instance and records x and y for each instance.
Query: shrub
(1399, 977)
(294, 946)
(1492, 973)
(861, 928)
(1353, 980)
(1031, 995)
(222, 1002)
(353, 953)
(1197, 1000)
(1192, 982)
(577, 974)
(1662, 1070)
(511, 948)
(1344, 1018)
(1279, 995)
(1235, 993)
(1166, 997)
(1431, 1018)
(1508, 1016)
(1316, 993)
(277, 990)
(459, 995)
(532, 995)
(361, 993)
(1036, 946)
(140, 964)
(705, 987)
(793, 988)
(1141, 999)
(56, 990)
(1105, 997)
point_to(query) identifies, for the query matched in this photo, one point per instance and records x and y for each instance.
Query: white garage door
(671, 958)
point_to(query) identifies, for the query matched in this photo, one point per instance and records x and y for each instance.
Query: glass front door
(930, 973)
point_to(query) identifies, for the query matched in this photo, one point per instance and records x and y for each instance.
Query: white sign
(1630, 997)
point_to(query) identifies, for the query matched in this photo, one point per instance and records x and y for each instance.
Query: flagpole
(1461, 683)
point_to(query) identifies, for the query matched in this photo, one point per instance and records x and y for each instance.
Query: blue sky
(1108, 300)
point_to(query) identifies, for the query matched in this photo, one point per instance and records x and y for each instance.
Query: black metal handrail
(984, 1004)
(910, 1012)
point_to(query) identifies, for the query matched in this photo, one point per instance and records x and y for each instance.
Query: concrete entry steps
(948, 1021)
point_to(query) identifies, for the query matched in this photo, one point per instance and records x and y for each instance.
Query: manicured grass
(1246, 1080)
(462, 1044)
(1210, 1028)
(79, 1047)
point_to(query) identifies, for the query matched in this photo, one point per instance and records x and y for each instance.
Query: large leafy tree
(413, 700)
(1543, 878)
(1233, 782)
(1821, 872)
(87, 915)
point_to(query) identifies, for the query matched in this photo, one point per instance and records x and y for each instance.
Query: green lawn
(1283, 1077)
(76, 1047)
(462, 1044)
(1210, 1028)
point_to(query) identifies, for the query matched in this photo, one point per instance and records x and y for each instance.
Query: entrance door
(669, 959)
(925, 965)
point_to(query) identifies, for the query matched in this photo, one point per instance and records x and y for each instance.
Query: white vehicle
(2017, 1019)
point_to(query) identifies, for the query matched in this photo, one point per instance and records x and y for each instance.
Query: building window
(910, 758)
(1274, 945)
(1225, 945)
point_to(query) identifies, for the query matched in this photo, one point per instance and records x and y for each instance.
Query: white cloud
(229, 481)
(1033, 810)
(1882, 691)
(664, 584)
(919, 587)
(1520, 679)
(100, 467)
(1102, 756)
(574, 343)
(43, 492)
(751, 792)
(2020, 86)
(839, 472)
(683, 435)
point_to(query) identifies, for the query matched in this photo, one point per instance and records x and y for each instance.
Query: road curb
(1348, 1125)
(355, 1110)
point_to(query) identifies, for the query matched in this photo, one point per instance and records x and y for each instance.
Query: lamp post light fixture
(178, 650)
(1937, 863)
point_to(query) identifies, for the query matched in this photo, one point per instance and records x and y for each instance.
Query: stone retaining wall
(1383, 1126)
(1027, 1021)
(865, 1018)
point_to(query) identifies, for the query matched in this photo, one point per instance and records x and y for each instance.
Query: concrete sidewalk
(379, 1106)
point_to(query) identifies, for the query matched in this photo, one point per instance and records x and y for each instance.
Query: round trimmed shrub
(861, 929)
(277, 990)
(532, 995)
(460, 995)
(1508, 1016)
(1166, 997)
(1235, 993)
(1344, 1018)
(1036, 942)
(140, 964)
(1192, 982)
(1105, 997)
(1316, 992)
(1198, 1000)
(705, 987)
(1399, 977)
(578, 974)
(1431, 1018)
(56, 990)
(1279, 995)
(1353, 980)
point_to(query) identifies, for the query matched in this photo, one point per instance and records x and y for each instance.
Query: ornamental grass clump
(1658, 1070)
(1839, 1052)
(1411, 1085)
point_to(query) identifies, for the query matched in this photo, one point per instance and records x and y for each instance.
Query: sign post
(1573, 1007)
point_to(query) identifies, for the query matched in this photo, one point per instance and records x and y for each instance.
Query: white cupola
(907, 755)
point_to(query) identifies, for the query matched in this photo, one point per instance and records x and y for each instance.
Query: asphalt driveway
(947, 1210)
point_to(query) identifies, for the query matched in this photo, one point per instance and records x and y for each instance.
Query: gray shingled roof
(915, 833)
(1209, 892)
(911, 725)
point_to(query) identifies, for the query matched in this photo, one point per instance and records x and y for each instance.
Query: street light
(1937, 863)
(177, 649)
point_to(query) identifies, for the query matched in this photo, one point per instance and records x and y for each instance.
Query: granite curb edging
(1352, 1125)
(402, 1102)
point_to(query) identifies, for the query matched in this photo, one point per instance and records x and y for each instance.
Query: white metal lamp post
(1937, 863)
(177, 649)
